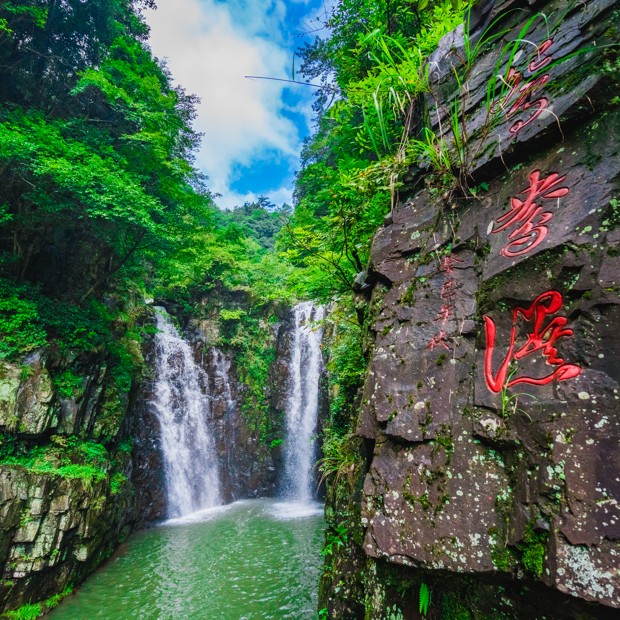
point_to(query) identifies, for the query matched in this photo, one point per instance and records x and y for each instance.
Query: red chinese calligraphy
(521, 94)
(447, 264)
(444, 314)
(529, 216)
(542, 338)
(438, 340)
(539, 62)
(447, 290)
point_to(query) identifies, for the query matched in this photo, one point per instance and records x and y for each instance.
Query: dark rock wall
(54, 532)
(490, 421)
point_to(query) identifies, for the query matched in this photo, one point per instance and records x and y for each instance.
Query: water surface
(249, 560)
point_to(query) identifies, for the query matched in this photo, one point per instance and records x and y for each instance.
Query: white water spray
(182, 404)
(302, 403)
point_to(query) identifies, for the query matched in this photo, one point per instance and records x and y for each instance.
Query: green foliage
(18, 335)
(68, 384)
(533, 558)
(260, 220)
(116, 482)
(255, 354)
(54, 600)
(126, 445)
(425, 598)
(68, 458)
(533, 547)
(346, 365)
(508, 408)
(27, 612)
(334, 538)
(93, 135)
(502, 558)
(374, 59)
(30, 320)
(231, 315)
(338, 456)
(393, 614)
(328, 237)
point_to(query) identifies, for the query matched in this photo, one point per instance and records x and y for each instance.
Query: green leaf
(425, 598)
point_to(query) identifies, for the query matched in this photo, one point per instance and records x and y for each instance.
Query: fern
(425, 599)
(27, 612)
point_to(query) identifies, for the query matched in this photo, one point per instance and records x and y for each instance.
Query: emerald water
(248, 560)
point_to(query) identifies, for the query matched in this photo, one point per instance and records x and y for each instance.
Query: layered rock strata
(55, 529)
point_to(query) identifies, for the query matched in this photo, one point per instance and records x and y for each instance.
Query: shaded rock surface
(490, 418)
(55, 530)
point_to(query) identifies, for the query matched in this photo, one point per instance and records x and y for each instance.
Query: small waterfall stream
(302, 403)
(224, 409)
(182, 405)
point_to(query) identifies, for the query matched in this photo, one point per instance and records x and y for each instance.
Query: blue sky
(253, 129)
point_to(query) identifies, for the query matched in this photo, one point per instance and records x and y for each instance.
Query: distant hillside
(260, 220)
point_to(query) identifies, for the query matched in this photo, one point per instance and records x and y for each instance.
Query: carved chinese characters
(519, 97)
(527, 218)
(447, 294)
(543, 337)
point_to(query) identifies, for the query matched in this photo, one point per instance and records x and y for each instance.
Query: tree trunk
(110, 273)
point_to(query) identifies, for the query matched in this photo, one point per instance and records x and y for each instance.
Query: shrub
(27, 612)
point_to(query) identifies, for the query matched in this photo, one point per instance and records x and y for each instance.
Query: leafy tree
(260, 220)
(94, 137)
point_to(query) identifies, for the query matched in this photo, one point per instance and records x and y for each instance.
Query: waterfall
(302, 403)
(182, 407)
(221, 368)
(224, 410)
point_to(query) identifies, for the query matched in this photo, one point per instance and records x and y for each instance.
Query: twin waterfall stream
(254, 558)
(302, 404)
(183, 406)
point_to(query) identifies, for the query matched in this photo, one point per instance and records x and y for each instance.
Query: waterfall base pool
(248, 560)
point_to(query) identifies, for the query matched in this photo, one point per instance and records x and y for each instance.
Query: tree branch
(110, 273)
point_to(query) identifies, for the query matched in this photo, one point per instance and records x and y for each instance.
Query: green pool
(252, 559)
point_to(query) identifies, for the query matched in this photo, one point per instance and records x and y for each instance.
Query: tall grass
(403, 74)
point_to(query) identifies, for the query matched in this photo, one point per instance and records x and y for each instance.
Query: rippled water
(252, 559)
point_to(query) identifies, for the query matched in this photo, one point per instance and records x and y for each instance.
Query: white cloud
(210, 47)
(234, 199)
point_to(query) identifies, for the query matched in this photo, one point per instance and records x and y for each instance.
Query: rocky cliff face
(55, 532)
(56, 525)
(490, 420)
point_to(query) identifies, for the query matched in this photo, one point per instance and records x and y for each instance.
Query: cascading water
(302, 403)
(224, 409)
(221, 368)
(182, 405)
